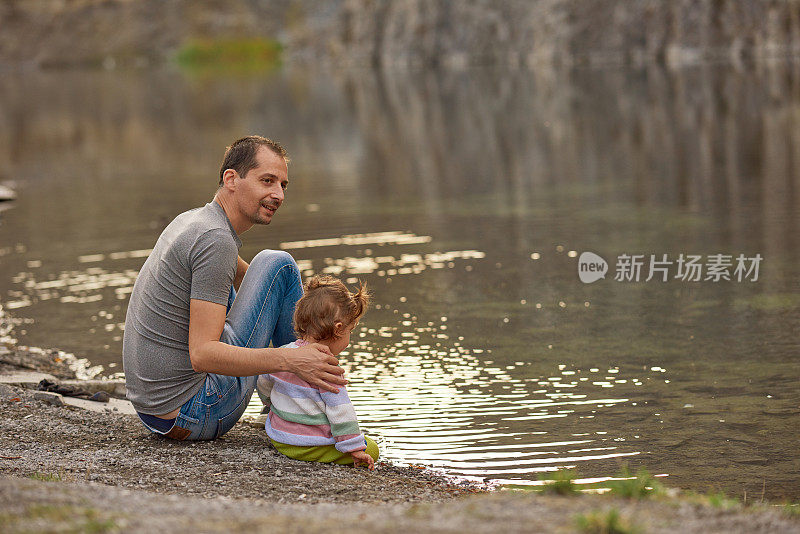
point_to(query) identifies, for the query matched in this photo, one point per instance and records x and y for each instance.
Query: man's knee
(273, 256)
(279, 258)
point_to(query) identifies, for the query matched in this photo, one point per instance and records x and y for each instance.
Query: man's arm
(313, 363)
(241, 268)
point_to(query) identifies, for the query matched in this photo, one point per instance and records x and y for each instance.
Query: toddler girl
(304, 422)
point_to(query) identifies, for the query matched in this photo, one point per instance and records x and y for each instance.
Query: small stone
(49, 398)
(100, 396)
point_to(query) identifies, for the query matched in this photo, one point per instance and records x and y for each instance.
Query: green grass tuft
(560, 482)
(791, 510)
(641, 486)
(58, 518)
(608, 522)
(46, 477)
(720, 500)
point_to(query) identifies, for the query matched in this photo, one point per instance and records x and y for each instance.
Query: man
(200, 319)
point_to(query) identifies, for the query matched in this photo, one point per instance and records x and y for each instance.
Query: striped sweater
(301, 414)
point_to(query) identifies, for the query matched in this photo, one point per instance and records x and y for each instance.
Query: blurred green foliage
(560, 482)
(635, 487)
(45, 477)
(238, 55)
(720, 500)
(604, 522)
(58, 518)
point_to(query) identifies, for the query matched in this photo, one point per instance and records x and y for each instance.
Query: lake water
(464, 199)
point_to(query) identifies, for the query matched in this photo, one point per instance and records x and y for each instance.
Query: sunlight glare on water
(430, 400)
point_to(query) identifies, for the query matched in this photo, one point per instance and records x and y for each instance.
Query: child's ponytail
(360, 300)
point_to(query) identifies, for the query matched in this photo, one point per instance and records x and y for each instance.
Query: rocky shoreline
(66, 468)
(89, 441)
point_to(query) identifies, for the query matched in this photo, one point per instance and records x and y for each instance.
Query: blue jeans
(260, 313)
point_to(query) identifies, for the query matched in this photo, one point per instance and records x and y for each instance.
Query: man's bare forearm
(221, 358)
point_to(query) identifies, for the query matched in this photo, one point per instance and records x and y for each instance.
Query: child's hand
(361, 457)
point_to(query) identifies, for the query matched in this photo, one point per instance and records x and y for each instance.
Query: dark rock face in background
(416, 32)
(567, 31)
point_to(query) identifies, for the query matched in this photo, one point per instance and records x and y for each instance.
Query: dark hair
(327, 301)
(241, 155)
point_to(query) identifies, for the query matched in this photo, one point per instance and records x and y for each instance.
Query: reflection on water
(463, 198)
(379, 238)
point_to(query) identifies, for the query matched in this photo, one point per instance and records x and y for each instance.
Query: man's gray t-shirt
(194, 258)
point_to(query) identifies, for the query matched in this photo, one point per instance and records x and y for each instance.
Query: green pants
(323, 453)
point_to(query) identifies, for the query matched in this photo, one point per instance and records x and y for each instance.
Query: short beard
(256, 219)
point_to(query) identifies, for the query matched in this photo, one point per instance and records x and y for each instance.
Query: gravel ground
(116, 450)
(63, 469)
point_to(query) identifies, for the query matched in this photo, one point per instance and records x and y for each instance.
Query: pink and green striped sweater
(301, 414)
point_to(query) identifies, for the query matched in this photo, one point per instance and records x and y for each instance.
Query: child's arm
(264, 388)
(343, 420)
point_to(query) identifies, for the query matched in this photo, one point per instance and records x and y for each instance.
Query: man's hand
(361, 457)
(315, 364)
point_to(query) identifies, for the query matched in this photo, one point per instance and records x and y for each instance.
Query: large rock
(112, 387)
